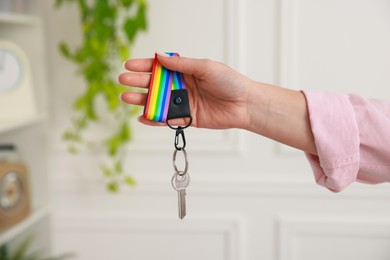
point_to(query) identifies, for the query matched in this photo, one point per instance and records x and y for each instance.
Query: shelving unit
(20, 123)
(13, 232)
(29, 134)
(6, 17)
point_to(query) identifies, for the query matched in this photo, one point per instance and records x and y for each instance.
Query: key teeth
(182, 215)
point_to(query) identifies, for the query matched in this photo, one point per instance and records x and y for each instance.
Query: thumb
(181, 64)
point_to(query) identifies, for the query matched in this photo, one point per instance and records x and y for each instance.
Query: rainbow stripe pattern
(162, 82)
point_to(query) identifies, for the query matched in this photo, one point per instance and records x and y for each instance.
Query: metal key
(180, 182)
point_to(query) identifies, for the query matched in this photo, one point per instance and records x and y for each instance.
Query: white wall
(249, 198)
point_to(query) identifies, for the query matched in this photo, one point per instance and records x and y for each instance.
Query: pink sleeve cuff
(336, 136)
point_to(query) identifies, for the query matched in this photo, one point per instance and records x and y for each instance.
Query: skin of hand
(222, 98)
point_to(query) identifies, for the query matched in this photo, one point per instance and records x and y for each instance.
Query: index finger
(139, 65)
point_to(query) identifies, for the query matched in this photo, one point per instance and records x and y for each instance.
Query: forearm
(280, 114)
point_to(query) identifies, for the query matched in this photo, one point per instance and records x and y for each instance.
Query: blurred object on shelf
(5, 6)
(17, 96)
(14, 187)
(16, 6)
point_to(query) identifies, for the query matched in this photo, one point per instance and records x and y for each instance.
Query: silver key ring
(185, 160)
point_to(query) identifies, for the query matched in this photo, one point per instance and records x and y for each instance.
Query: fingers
(185, 65)
(182, 64)
(133, 98)
(139, 99)
(145, 121)
(134, 79)
(172, 122)
(139, 65)
(137, 77)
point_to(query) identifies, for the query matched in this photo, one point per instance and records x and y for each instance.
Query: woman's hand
(218, 95)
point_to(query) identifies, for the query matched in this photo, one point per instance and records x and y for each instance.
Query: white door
(249, 198)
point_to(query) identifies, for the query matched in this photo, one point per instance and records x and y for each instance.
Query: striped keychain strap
(167, 97)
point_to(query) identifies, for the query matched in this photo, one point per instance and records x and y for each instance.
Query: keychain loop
(180, 132)
(181, 127)
(185, 160)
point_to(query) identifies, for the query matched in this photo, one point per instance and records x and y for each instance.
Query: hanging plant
(109, 29)
(23, 252)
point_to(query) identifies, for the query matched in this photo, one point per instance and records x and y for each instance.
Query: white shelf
(27, 31)
(8, 234)
(14, 18)
(19, 123)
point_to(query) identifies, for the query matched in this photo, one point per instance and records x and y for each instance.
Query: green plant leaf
(118, 167)
(113, 186)
(4, 252)
(71, 136)
(64, 49)
(127, 3)
(130, 29)
(21, 251)
(108, 29)
(106, 171)
(133, 25)
(129, 181)
(141, 17)
(124, 52)
(111, 93)
(80, 123)
(125, 132)
(72, 149)
(83, 7)
(59, 3)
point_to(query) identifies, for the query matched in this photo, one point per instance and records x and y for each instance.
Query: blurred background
(249, 197)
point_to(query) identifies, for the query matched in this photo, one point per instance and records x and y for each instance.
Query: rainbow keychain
(168, 99)
(167, 96)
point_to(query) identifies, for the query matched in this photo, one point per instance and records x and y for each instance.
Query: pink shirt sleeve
(352, 137)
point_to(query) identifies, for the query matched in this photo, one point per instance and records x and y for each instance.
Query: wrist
(257, 107)
(280, 114)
